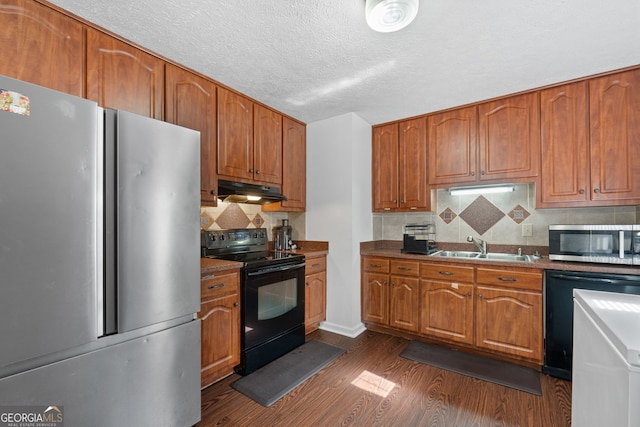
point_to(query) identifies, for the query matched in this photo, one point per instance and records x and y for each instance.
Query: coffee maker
(282, 236)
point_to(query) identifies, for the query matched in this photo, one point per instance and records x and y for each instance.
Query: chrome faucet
(479, 243)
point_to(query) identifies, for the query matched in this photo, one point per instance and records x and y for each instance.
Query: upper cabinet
(509, 138)
(41, 46)
(590, 140)
(123, 77)
(614, 113)
(191, 102)
(399, 163)
(294, 168)
(489, 142)
(249, 140)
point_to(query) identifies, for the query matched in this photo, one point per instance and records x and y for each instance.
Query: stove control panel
(218, 239)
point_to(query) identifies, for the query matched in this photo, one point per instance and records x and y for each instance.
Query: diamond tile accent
(518, 214)
(481, 215)
(206, 220)
(448, 215)
(258, 221)
(233, 217)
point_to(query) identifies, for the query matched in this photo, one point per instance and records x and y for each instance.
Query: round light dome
(386, 16)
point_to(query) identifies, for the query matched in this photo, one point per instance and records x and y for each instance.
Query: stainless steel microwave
(608, 244)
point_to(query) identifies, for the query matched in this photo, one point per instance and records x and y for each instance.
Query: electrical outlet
(527, 230)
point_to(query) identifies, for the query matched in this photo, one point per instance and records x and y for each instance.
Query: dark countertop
(391, 249)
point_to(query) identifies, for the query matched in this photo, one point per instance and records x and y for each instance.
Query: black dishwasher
(559, 286)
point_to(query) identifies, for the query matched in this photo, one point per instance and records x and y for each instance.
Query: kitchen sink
(491, 256)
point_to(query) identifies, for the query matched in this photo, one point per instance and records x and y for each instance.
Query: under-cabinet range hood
(241, 192)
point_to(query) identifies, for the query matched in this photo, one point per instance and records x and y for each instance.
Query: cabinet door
(509, 322)
(385, 168)
(447, 310)
(41, 46)
(235, 135)
(509, 137)
(315, 302)
(122, 77)
(191, 102)
(413, 165)
(404, 303)
(453, 146)
(375, 298)
(294, 168)
(614, 105)
(220, 347)
(267, 146)
(564, 119)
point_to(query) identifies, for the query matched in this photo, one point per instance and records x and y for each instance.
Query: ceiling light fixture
(386, 16)
(485, 189)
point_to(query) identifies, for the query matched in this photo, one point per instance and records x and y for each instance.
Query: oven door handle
(582, 278)
(274, 269)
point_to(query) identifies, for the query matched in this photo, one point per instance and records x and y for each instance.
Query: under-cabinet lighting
(485, 189)
(253, 198)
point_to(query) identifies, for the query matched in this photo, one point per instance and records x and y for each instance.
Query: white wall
(339, 210)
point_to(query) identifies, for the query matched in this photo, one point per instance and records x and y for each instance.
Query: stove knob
(221, 237)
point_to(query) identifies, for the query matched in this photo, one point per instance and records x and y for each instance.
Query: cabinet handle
(468, 294)
(446, 273)
(472, 173)
(384, 283)
(508, 279)
(375, 265)
(393, 284)
(218, 286)
(596, 190)
(404, 268)
(258, 172)
(480, 296)
(235, 304)
(581, 191)
(315, 265)
(250, 170)
(208, 276)
(307, 283)
(213, 192)
(482, 172)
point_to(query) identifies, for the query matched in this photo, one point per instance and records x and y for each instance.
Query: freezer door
(158, 221)
(50, 188)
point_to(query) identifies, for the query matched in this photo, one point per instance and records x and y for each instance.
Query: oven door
(273, 302)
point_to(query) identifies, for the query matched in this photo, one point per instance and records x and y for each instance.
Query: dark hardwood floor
(418, 395)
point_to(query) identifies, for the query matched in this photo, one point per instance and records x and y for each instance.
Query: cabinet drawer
(218, 285)
(446, 272)
(406, 268)
(315, 265)
(375, 264)
(510, 278)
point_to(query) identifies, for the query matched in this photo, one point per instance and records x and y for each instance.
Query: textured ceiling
(315, 59)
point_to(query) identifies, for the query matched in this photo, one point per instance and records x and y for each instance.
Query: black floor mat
(271, 382)
(495, 371)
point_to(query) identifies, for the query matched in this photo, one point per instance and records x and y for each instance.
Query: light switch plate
(527, 230)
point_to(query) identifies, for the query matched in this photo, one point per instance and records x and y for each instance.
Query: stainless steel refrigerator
(99, 261)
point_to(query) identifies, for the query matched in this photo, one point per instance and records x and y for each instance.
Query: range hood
(241, 192)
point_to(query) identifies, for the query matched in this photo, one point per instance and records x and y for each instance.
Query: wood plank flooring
(419, 395)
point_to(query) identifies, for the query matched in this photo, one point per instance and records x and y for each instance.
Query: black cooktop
(260, 258)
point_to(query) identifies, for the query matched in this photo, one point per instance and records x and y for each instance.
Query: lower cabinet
(315, 293)
(220, 316)
(492, 310)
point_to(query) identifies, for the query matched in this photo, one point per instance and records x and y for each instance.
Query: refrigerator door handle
(110, 203)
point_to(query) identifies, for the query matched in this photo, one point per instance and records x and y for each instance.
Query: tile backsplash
(497, 218)
(242, 215)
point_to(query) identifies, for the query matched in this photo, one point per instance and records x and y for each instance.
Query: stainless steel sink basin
(506, 257)
(491, 256)
(456, 254)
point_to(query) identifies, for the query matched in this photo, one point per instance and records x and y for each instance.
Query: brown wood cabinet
(191, 102)
(249, 140)
(315, 293)
(294, 168)
(489, 309)
(489, 142)
(564, 118)
(41, 46)
(123, 77)
(614, 114)
(447, 300)
(399, 162)
(220, 316)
